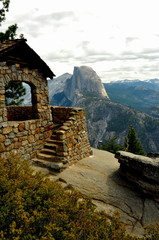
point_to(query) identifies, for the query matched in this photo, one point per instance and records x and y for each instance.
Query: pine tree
(10, 33)
(132, 143)
(14, 92)
(4, 9)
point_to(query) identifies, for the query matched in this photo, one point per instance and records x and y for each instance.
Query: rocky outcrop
(140, 170)
(84, 81)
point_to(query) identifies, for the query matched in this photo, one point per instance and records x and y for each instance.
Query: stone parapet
(141, 170)
(23, 137)
(72, 139)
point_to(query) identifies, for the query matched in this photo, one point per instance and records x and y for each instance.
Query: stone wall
(23, 131)
(24, 137)
(72, 134)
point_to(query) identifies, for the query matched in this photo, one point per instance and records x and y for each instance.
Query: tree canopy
(14, 92)
(4, 4)
(132, 143)
(10, 33)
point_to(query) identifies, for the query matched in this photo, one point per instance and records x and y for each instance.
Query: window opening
(20, 100)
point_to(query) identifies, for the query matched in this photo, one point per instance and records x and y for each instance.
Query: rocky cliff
(105, 118)
(83, 83)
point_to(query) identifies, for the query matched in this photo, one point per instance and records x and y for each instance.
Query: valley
(108, 112)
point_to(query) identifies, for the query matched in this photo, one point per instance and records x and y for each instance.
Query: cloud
(130, 40)
(117, 42)
(56, 16)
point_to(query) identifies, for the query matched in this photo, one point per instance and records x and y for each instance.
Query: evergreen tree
(9, 34)
(111, 145)
(14, 92)
(132, 143)
(4, 9)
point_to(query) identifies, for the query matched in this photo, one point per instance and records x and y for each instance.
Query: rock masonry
(27, 130)
(21, 133)
(69, 141)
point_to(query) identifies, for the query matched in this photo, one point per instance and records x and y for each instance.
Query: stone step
(46, 157)
(54, 166)
(56, 126)
(50, 145)
(51, 158)
(48, 151)
(58, 137)
(54, 141)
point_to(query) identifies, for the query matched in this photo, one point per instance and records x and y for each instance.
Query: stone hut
(30, 130)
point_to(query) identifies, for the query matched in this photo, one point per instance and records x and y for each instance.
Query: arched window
(20, 99)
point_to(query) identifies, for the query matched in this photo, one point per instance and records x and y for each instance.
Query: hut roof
(18, 51)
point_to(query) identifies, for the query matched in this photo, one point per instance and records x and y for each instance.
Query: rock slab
(141, 170)
(98, 177)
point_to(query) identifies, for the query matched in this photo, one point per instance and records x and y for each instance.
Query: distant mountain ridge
(105, 118)
(56, 84)
(140, 95)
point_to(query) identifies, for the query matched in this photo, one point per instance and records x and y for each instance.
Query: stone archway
(21, 112)
(40, 102)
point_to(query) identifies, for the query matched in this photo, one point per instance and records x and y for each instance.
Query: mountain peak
(84, 81)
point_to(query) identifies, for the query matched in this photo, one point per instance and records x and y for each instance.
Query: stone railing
(71, 136)
(141, 170)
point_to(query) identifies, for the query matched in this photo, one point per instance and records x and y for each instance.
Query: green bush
(33, 207)
(111, 145)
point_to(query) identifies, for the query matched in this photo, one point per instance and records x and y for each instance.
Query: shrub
(33, 207)
(111, 146)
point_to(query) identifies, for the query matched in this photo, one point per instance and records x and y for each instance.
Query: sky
(119, 39)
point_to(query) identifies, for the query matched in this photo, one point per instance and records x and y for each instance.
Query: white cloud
(119, 39)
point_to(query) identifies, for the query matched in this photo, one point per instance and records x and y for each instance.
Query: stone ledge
(141, 170)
